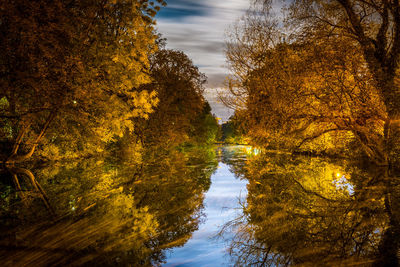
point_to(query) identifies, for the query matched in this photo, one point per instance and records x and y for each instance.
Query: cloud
(197, 27)
(180, 9)
(218, 107)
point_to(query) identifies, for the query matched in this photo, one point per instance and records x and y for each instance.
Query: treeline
(79, 78)
(325, 78)
(182, 114)
(231, 133)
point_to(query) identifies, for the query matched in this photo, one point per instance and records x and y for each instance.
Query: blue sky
(197, 27)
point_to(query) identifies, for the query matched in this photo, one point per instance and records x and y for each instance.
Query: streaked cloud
(198, 29)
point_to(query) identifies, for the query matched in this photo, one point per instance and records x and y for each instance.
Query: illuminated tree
(71, 68)
(182, 109)
(374, 28)
(293, 91)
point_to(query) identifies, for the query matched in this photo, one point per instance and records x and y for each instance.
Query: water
(226, 206)
(163, 210)
(221, 206)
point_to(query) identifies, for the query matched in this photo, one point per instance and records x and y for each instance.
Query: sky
(198, 27)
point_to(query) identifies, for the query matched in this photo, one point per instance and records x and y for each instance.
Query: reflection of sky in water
(221, 205)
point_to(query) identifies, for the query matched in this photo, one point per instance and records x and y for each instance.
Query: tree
(374, 26)
(73, 66)
(306, 88)
(232, 133)
(179, 86)
(205, 129)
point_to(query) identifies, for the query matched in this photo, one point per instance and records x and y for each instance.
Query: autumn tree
(303, 88)
(182, 110)
(70, 68)
(374, 27)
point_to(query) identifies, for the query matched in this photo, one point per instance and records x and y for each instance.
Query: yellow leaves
(143, 103)
(116, 59)
(4, 103)
(153, 94)
(118, 113)
(129, 125)
(324, 181)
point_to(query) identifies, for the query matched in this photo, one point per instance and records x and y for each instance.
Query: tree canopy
(76, 64)
(182, 113)
(328, 73)
(79, 77)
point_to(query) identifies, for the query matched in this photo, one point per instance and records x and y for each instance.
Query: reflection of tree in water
(173, 191)
(235, 157)
(105, 213)
(27, 194)
(309, 212)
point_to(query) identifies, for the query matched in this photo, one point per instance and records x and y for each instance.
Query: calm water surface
(221, 206)
(165, 210)
(268, 209)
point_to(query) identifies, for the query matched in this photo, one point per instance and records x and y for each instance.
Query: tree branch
(315, 136)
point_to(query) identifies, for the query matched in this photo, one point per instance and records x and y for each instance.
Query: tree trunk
(391, 127)
(390, 243)
(14, 157)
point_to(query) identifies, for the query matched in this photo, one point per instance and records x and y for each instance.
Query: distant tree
(205, 128)
(179, 86)
(232, 130)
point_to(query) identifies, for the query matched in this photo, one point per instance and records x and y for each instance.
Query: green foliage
(4, 104)
(231, 131)
(205, 129)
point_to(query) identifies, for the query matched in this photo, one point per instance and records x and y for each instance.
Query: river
(219, 206)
